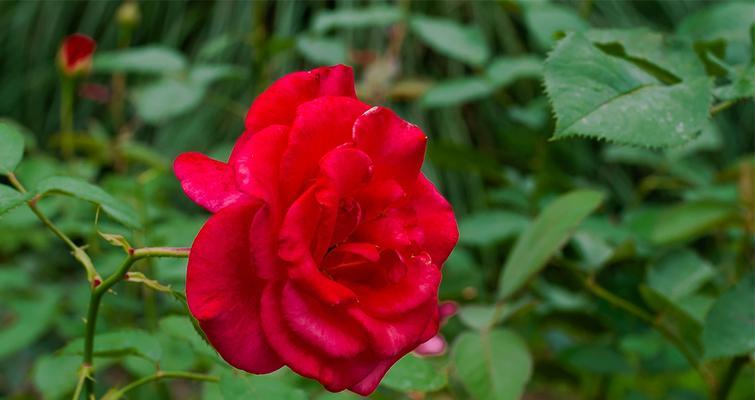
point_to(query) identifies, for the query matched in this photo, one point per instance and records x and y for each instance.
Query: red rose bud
(326, 243)
(75, 55)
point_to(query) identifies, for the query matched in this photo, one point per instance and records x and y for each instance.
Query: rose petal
(278, 103)
(322, 326)
(209, 183)
(223, 292)
(397, 148)
(335, 374)
(300, 240)
(257, 163)
(320, 126)
(437, 232)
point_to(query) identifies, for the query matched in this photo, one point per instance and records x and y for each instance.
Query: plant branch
(159, 376)
(78, 252)
(717, 108)
(730, 376)
(593, 287)
(99, 290)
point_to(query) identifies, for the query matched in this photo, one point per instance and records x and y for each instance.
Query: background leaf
(492, 365)
(463, 43)
(148, 59)
(545, 236)
(729, 327)
(11, 147)
(120, 211)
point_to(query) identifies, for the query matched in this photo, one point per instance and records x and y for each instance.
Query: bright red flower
(75, 54)
(326, 243)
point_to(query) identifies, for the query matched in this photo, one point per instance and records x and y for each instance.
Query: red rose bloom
(326, 243)
(75, 55)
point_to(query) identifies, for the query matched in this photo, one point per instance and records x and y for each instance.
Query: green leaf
(56, 375)
(679, 274)
(490, 227)
(119, 344)
(10, 199)
(742, 85)
(725, 20)
(182, 328)
(545, 19)
(29, 319)
(373, 16)
(148, 59)
(11, 147)
(596, 359)
(167, 98)
(456, 91)
(492, 365)
(651, 51)
(83, 190)
(460, 42)
(604, 97)
(414, 374)
(239, 385)
(504, 70)
(729, 328)
(321, 50)
(687, 221)
(545, 236)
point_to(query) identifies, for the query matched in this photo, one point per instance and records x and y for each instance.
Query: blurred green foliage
(617, 268)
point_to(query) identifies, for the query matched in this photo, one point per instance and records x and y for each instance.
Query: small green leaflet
(600, 96)
(416, 374)
(545, 236)
(83, 190)
(10, 199)
(149, 59)
(493, 365)
(460, 42)
(373, 16)
(11, 147)
(240, 385)
(321, 50)
(729, 328)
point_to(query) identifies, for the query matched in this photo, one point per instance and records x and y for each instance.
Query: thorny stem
(33, 206)
(159, 376)
(98, 291)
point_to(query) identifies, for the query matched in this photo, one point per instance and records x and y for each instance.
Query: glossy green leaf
(729, 20)
(321, 50)
(240, 385)
(29, 319)
(545, 236)
(490, 227)
(596, 359)
(167, 98)
(120, 343)
(604, 97)
(11, 147)
(414, 374)
(688, 220)
(493, 365)
(56, 375)
(505, 70)
(373, 16)
(679, 274)
(665, 58)
(10, 199)
(729, 328)
(742, 85)
(456, 91)
(545, 19)
(446, 36)
(148, 59)
(83, 190)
